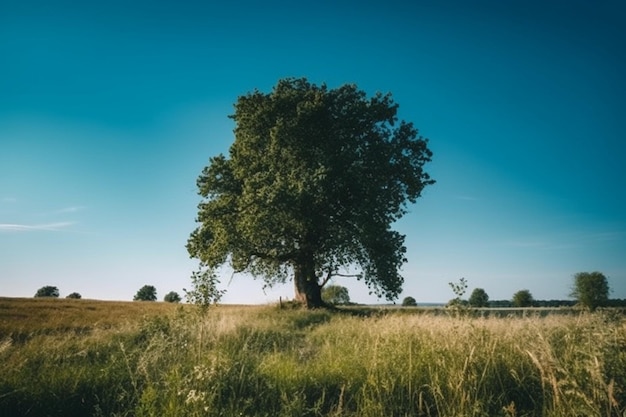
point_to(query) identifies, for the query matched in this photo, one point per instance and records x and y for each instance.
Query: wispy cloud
(48, 227)
(71, 209)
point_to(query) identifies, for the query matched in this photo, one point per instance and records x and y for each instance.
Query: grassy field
(95, 358)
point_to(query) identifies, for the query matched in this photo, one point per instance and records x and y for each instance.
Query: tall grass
(262, 361)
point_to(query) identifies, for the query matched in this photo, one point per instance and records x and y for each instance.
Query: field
(96, 358)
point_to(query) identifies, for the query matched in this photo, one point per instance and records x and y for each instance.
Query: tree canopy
(335, 294)
(591, 289)
(146, 293)
(47, 291)
(172, 297)
(409, 302)
(311, 186)
(523, 298)
(478, 298)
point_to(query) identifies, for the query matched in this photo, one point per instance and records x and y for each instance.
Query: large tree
(591, 289)
(312, 184)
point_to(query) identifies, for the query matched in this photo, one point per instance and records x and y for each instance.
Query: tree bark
(308, 291)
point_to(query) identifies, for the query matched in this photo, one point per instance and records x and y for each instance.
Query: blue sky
(110, 110)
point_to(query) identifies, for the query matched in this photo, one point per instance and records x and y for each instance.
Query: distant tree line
(590, 290)
(534, 303)
(149, 293)
(612, 302)
(51, 291)
(145, 293)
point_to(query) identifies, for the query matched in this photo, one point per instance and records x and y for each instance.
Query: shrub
(591, 289)
(409, 302)
(479, 298)
(47, 291)
(335, 294)
(204, 291)
(74, 295)
(146, 293)
(172, 297)
(523, 298)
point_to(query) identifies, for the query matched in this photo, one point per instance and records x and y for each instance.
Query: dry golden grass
(149, 358)
(26, 316)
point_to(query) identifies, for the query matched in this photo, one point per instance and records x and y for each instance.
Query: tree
(146, 293)
(47, 291)
(458, 305)
(312, 184)
(204, 291)
(172, 297)
(459, 289)
(591, 289)
(74, 295)
(409, 302)
(335, 294)
(479, 298)
(522, 298)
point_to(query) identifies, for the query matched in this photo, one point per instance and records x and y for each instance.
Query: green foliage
(459, 288)
(172, 297)
(458, 305)
(146, 293)
(47, 291)
(311, 186)
(522, 298)
(479, 298)
(409, 302)
(591, 289)
(204, 291)
(74, 295)
(335, 294)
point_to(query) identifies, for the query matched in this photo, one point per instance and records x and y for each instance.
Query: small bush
(172, 297)
(523, 298)
(409, 302)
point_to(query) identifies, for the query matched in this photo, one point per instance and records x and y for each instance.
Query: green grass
(79, 357)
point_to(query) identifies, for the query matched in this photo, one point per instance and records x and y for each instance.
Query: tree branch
(330, 274)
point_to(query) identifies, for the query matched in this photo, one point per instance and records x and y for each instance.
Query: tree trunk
(308, 291)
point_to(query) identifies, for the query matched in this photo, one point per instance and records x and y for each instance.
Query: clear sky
(109, 110)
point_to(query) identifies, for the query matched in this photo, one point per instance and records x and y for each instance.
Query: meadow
(96, 358)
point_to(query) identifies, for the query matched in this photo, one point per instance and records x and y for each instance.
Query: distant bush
(479, 298)
(47, 291)
(335, 294)
(409, 302)
(74, 295)
(146, 293)
(172, 297)
(591, 289)
(523, 298)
